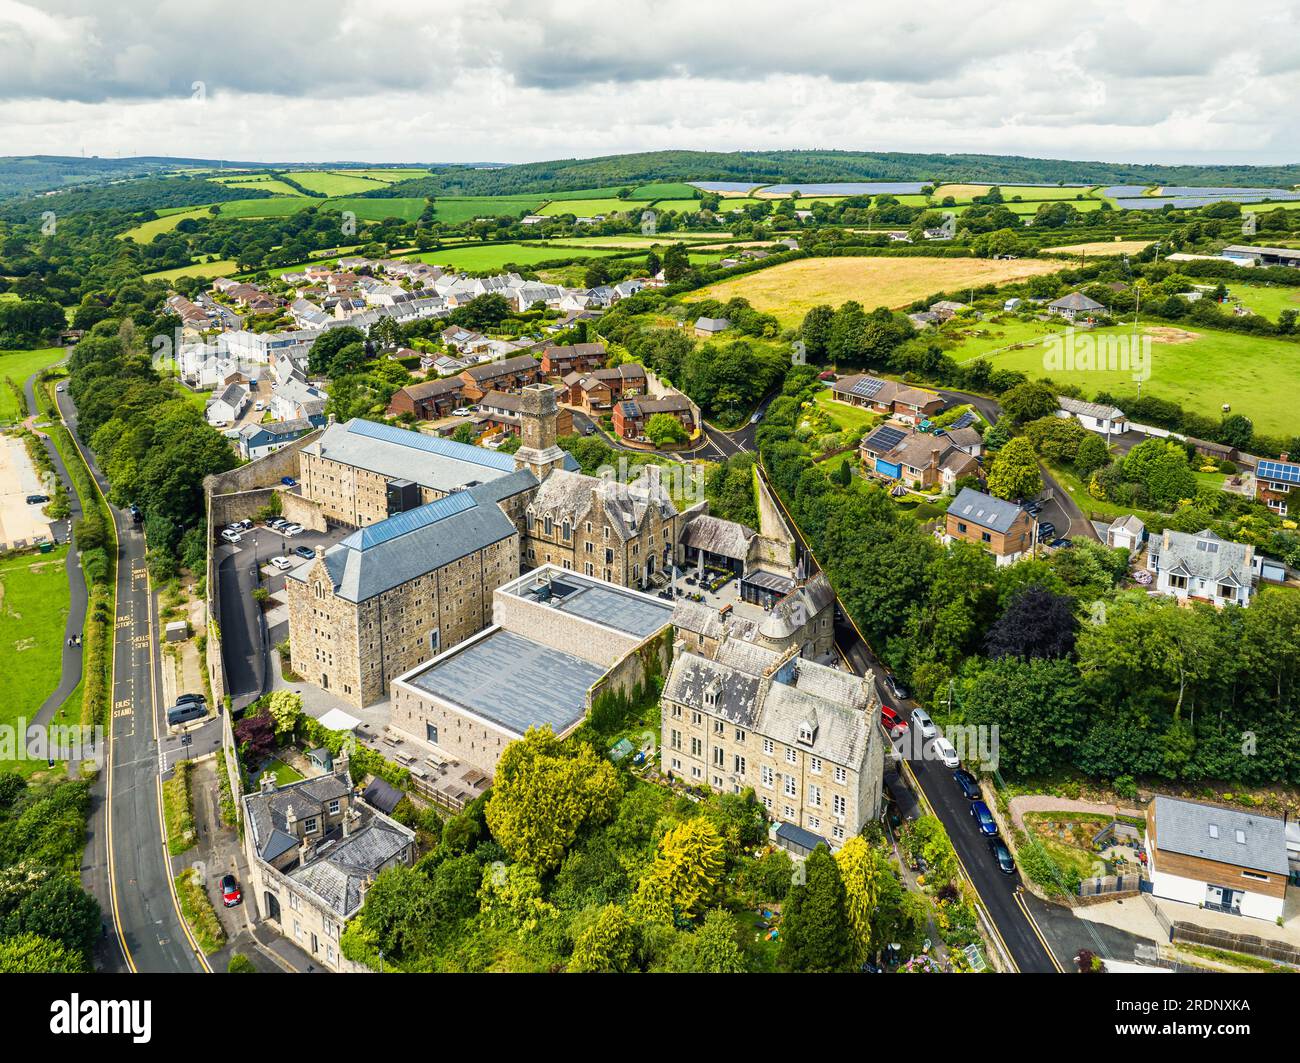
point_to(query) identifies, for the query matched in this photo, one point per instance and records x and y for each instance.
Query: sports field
(792, 288)
(18, 366)
(33, 611)
(1200, 369)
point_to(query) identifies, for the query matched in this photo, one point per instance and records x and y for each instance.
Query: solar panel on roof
(867, 387)
(964, 421)
(1279, 472)
(446, 448)
(411, 520)
(886, 438)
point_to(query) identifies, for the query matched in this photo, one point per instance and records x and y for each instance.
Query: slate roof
(1075, 301)
(1089, 409)
(389, 553)
(725, 538)
(995, 514)
(713, 324)
(338, 875)
(1244, 839)
(523, 363)
(1203, 555)
(795, 610)
(268, 813)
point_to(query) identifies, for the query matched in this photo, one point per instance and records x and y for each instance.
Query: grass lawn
(200, 915)
(587, 208)
(1201, 369)
(282, 772)
(178, 810)
(18, 366)
(1266, 300)
(790, 289)
(408, 208)
(843, 414)
(494, 256)
(33, 611)
(456, 209)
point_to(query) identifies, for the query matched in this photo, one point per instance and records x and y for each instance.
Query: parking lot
(247, 631)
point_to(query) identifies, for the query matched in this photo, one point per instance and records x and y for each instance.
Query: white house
(1202, 567)
(1105, 420)
(1126, 533)
(227, 405)
(1217, 858)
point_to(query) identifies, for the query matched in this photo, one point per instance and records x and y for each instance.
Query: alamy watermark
(1074, 351)
(683, 481)
(20, 742)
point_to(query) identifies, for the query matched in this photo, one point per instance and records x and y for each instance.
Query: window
(766, 773)
(719, 756)
(740, 735)
(696, 719)
(792, 755)
(675, 739)
(768, 746)
(1255, 875)
(815, 796)
(791, 786)
(431, 733)
(739, 765)
(334, 808)
(839, 805)
(719, 727)
(837, 833)
(697, 747)
(311, 825)
(815, 765)
(841, 775)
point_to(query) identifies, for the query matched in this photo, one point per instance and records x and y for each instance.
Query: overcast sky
(520, 80)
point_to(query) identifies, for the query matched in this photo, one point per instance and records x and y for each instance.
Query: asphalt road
(134, 883)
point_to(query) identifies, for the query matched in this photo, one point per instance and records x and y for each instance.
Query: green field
(18, 366)
(585, 193)
(274, 207)
(1267, 300)
(407, 208)
(681, 206)
(388, 176)
(220, 268)
(266, 184)
(146, 231)
(588, 208)
(1200, 369)
(664, 190)
(453, 210)
(33, 611)
(494, 256)
(332, 184)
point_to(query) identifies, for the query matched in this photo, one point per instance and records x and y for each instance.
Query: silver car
(922, 722)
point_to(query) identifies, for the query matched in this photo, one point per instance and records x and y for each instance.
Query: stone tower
(538, 411)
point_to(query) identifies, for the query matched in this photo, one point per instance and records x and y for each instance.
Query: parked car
(191, 699)
(242, 525)
(922, 722)
(230, 535)
(1061, 544)
(230, 892)
(756, 418)
(1002, 855)
(891, 719)
(984, 820)
(1033, 508)
(179, 714)
(259, 405)
(304, 551)
(288, 481)
(969, 785)
(291, 529)
(898, 689)
(276, 523)
(219, 424)
(1046, 531)
(59, 388)
(947, 754)
(461, 411)
(36, 500)
(282, 563)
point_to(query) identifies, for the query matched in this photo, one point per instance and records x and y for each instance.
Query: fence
(1212, 937)
(1099, 885)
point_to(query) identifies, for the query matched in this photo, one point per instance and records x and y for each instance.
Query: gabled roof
(1076, 301)
(1225, 835)
(1089, 409)
(1203, 555)
(995, 514)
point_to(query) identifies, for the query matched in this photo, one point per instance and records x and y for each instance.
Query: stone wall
(264, 472)
(242, 505)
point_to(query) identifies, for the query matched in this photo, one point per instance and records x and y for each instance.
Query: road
(134, 880)
(1000, 895)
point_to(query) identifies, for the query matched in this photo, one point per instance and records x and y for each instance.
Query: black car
(969, 785)
(898, 689)
(1046, 531)
(1062, 544)
(36, 500)
(191, 699)
(304, 552)
(1002, 855)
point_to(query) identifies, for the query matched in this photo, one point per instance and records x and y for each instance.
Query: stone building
(622, 533)
(805, 737)
(558, 641)
(313, 849)
(802, 620)
(399, 591)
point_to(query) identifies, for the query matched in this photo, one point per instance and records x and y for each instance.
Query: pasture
(218, 268)
(588, 208)
(453, 210)
(664, 190)
(265, 184)
(790, 289)
(1200, 369)
(473, 258)
(1102, 247)
(407, 208)
(147, 230)
(332, 184)
(1266, 300)
(33, 611)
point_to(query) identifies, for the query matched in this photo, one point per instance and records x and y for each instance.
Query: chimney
(320, 552)
(1285, 455)
(267, 783)
(343, 766)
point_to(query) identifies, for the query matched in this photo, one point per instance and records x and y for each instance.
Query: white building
(1202, 567)
(1105, 420)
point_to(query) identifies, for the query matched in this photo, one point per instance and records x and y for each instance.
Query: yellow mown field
(1102, 247)
(789, 290)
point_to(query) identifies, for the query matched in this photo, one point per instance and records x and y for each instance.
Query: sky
(523, 80)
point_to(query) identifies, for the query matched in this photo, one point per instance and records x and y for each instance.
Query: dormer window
(807, 732)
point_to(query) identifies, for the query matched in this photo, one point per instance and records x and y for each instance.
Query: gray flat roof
(616, 607)
(513, 682)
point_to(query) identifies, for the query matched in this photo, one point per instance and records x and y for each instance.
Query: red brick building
(632, 415)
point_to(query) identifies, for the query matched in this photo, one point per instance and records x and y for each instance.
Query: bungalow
(429, 400)
(1202, 567)
(1274, 482)
(1074, 306)
(1094, 416)
(708, 327)
(1221, 859)
(632, 415)
(887, 396)
(918, 459)
(1002, 528)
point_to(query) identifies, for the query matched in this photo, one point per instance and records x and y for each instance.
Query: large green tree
(815, 926)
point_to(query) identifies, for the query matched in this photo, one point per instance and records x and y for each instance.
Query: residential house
(259, 440)
(295, 399)
(575, 358)
(1275, 480)
(918, 459)
(313, 850)
(1003, 528)
(887, 396)
(511, 374)
(1075, 306)
(1094, 416)
(708, 327)
(632, 415)
(597, 392)
(429, 400)
(1201, 567)
(1222, 859)
(227, 404)
(501, 411)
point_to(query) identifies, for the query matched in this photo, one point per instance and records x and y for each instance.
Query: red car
(892, 721)
(230, 893)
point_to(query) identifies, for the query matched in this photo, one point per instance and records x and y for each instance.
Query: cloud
(509, 80)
